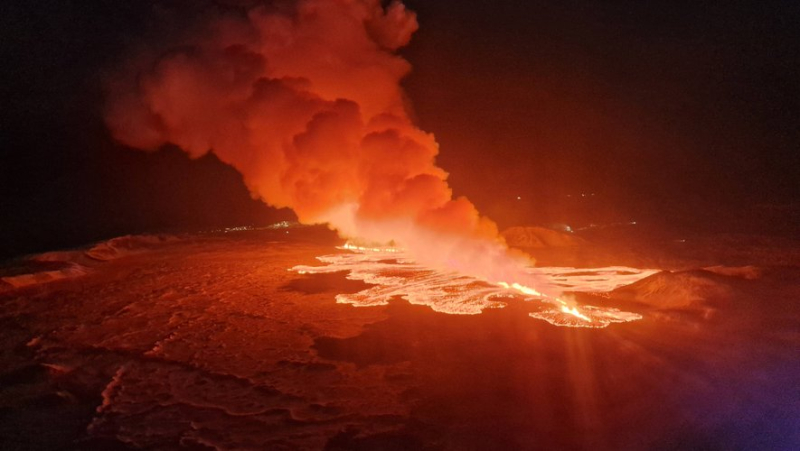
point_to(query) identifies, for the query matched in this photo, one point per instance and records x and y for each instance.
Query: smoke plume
(305, 101)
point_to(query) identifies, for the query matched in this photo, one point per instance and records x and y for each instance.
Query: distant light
(519, 198)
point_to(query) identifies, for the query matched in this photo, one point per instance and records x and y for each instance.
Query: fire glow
(532, 292)
(394, 273)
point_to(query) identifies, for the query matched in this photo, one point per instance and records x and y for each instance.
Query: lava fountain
(305, 102)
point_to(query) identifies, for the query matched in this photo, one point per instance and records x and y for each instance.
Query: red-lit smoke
(305, 101)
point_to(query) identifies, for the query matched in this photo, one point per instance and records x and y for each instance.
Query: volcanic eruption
(306, 102)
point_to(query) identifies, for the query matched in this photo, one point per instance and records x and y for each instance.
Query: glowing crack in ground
(394, 274)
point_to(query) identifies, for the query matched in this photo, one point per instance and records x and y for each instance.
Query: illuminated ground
(209, 341)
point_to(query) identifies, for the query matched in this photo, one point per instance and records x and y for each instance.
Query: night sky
(676, 113)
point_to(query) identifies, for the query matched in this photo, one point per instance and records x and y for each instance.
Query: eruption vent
(306, 103)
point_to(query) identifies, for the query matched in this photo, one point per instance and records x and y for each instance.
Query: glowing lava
(565, 308)
(394, 274)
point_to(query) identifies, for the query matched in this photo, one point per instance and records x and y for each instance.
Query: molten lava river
(394, 274)
(258, 339)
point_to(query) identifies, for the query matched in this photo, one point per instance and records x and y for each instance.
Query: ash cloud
(305, 101)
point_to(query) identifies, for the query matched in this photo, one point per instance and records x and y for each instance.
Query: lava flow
(565, 308)
(394, 273)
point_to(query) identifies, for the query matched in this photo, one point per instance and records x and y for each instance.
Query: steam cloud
(305, 101)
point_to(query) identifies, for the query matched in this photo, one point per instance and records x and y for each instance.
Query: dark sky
(658, 107)
(680, 112)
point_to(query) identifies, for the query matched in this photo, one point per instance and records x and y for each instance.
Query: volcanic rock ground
(208, 341)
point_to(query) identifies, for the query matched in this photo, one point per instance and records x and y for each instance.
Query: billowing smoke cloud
(305, 101)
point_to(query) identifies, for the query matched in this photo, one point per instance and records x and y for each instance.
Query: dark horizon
(681, 116)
